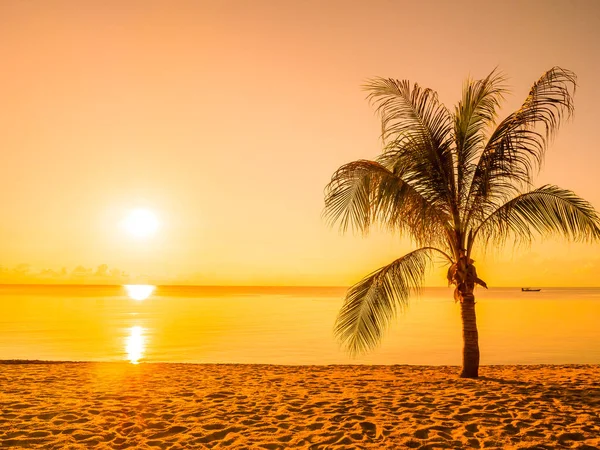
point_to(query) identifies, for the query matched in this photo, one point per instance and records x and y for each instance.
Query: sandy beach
(118, 405)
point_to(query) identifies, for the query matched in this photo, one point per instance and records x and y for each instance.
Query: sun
(141, 223)
(139, 291)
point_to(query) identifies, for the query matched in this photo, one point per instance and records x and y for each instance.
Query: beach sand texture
(119, 405)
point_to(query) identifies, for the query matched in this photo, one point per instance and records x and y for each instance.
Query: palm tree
(452, 182)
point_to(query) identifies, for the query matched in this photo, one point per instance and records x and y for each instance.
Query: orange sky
(227, 118)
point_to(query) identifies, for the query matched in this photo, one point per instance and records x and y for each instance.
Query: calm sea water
(287, 326)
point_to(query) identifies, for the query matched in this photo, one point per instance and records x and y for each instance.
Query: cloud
(27, 274)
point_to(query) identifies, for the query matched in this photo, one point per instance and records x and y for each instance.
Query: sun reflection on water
(135, 344)
(139, 291)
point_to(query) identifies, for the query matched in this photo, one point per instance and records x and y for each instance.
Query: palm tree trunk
(470, 367)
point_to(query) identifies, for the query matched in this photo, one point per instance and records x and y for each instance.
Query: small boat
(530, 290)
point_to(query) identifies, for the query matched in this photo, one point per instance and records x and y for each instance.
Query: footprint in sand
(219, 435)
(422, 433)
(39, 434)
(214, 426)
(570, 437)
(471, 427)
(171, 431)
(21, 406)
(474, 443)
(510, 429)
(369, 428)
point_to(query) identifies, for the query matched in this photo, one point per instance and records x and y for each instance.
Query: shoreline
(188, 405)
(418, 366)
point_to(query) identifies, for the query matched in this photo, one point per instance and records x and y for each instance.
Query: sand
(118, 405)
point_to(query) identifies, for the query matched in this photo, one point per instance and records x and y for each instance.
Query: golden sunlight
(135, 344)
(139, 291)
(141, 223)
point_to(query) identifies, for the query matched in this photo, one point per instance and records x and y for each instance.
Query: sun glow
(139, 291)
(141, 223)
(135, 344)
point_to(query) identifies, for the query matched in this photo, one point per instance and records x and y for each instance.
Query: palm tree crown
(451, 181)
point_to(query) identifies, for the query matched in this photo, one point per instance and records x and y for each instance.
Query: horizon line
(257, 286)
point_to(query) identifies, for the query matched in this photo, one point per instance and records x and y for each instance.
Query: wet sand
(119, 405)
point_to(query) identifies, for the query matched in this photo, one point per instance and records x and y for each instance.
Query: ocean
(287, 325)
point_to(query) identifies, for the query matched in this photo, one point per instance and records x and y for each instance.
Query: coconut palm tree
(452, 182)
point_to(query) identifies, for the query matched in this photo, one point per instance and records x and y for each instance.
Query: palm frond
(475, 112)
(373, 302)
(348, 195)
(405, 158)
(516, 149)
(413, 118)
(364, 192)
(548, 210)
